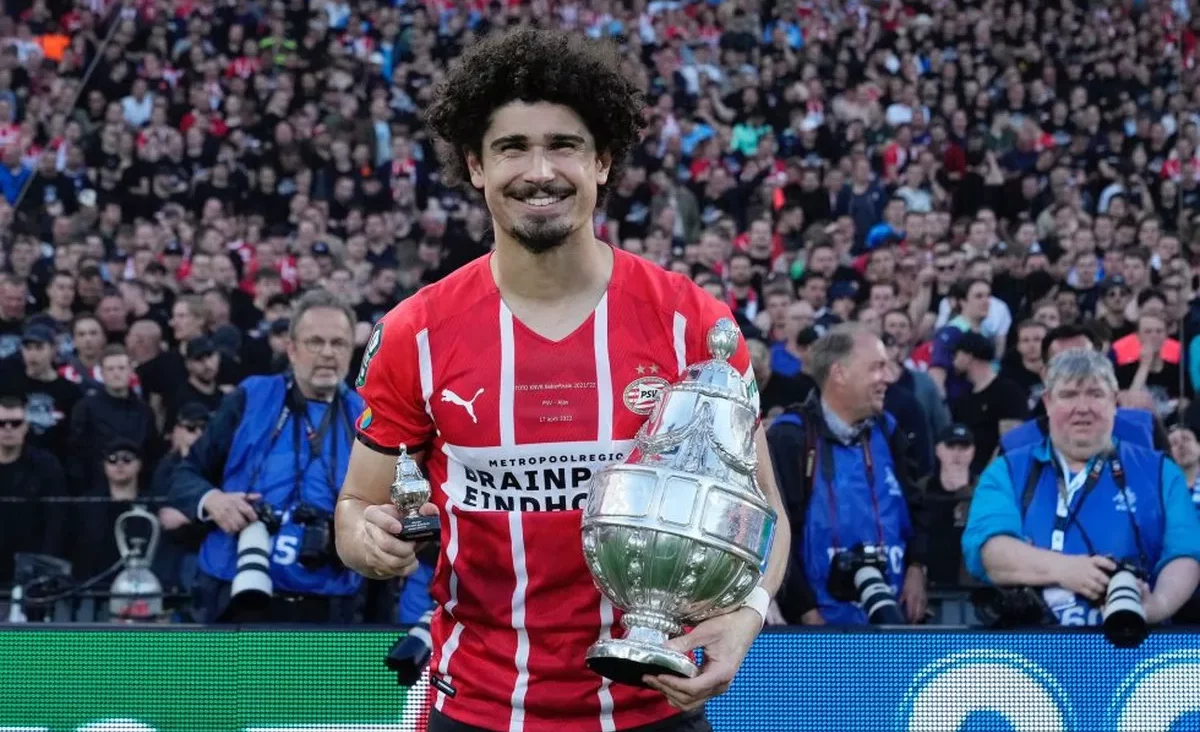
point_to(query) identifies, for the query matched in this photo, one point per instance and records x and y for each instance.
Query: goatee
(541, 236)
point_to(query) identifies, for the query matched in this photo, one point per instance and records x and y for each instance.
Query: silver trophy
(410, 491)
(680, 531)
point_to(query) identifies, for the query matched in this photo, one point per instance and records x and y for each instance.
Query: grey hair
(834, 347)
(318, 298)
(1080, 364)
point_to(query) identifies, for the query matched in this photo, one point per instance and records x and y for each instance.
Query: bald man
(144, 342)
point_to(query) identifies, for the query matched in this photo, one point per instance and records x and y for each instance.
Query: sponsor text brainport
(546, 489)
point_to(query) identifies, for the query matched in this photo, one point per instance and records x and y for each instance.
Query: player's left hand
(725, 639)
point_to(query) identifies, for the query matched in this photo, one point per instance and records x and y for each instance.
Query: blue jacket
(1159, 503)
(838, 511)
(237, 453)
(1134, 426)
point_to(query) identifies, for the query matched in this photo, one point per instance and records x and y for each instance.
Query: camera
(858, 575)
(1124, 614)
(316, 542)
(410, 653)
(252, 586)
(1010, 607)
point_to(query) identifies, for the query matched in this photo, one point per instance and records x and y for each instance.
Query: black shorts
(693, 721)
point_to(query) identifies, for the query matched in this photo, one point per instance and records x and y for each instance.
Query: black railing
(949, 605)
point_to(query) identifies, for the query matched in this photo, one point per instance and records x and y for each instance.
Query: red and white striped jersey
(513, 426)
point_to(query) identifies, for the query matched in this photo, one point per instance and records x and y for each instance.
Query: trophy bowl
(680, 531)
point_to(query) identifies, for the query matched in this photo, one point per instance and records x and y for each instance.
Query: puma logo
(449, 396)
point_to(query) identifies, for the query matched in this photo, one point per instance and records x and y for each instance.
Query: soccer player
(515, 379)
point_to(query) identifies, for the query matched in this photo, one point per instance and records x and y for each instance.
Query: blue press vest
(275, 480)
(855, 517)
(1104, 515)
(1135, 426)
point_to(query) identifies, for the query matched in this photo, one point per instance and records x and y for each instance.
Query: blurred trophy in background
(680, 531)
(137, 595)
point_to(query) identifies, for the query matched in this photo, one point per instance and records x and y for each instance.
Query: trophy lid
(717, 374)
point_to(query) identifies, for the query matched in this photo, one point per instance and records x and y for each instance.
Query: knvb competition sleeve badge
(373, 344)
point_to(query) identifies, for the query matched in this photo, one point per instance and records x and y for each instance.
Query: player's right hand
(384, 555)
(232, 512)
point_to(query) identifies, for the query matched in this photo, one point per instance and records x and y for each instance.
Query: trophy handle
(138, 511)
(745, 466)
(700, 425)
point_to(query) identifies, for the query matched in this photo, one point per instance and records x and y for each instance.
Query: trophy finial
(723, 339)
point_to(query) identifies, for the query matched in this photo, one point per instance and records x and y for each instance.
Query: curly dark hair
(533, 65)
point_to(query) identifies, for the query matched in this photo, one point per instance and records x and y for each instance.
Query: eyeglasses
(316, 344)
(192, 426)
(12, 424)
(121, 458)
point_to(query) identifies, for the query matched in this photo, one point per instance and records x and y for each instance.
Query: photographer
(272, 459)
(842, 467)
(1064, 514)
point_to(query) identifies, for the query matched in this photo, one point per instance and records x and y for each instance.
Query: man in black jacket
(101, 417)
(27, 475)
(49, 397)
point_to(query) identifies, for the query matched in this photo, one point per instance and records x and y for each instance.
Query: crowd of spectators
(961, 177)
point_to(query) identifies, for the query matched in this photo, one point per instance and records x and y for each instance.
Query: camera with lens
(860, 575)
(1124, 614)
(250, 594)
(316, 541)
(1010, 607)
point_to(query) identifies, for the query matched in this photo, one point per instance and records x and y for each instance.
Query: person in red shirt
(515, 379)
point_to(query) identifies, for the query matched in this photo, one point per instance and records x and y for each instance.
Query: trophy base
(419, 528)
(626, 661)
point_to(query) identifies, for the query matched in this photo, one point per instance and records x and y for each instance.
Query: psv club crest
(643, 393)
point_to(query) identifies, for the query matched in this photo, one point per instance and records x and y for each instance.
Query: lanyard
(1084, 484)
(315, 438)
(869, 463)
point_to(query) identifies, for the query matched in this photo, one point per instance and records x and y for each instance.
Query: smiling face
(539, 171)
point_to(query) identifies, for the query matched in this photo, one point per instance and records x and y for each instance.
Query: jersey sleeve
(695, 314)
(389, 381)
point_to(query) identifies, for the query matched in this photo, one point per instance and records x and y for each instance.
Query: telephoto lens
(1124, 615)
(410, 653)
(250, 594)
(876, 597)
